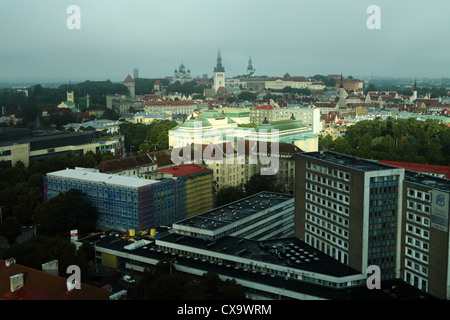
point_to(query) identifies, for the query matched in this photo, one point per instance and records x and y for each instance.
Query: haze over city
(298, 37)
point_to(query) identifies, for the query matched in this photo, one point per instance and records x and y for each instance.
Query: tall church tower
(219, 74)
(341, 103)
(250, 69)
(129, 83)
(70, 95)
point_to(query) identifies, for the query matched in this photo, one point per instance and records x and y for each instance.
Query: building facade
(425, 238)
(350, 209)
(196, 183)
(308, 115)
(26, 146)
(123, 203)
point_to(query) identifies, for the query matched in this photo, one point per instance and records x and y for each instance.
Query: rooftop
(428, 180)
(265, 251)
(233, 211)
(183, 170)
(351, 162)
(40, 285)
(92, 175)
(428, 168)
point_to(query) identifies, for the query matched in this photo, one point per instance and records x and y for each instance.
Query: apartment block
(350, 208)
(122, 203)
(425, 239)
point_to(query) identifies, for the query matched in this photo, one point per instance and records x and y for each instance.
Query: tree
(258, 183)
(229, 194)
(246, 96)
(369, 88)
(41, 249)
(65, 212)
(325, 142)
(10, 229)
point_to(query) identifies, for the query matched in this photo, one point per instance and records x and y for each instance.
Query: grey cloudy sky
(296, 36)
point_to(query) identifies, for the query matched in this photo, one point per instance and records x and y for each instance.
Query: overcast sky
(296, 36)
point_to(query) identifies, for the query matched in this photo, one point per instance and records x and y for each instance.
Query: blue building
(122, 202)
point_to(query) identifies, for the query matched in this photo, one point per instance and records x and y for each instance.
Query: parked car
(128, 279)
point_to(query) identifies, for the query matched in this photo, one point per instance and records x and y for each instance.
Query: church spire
(219, 67)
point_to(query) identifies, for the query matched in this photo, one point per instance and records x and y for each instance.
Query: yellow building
(197, 184)
(147, 118)
(69, 103)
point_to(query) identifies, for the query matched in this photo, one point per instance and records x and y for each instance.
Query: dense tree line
(406, 140)
(186, 88)
(97, 91)
(164, 282)
(145, 138)
(255, 184)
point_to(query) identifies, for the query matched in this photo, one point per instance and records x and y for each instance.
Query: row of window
(419, 256)
(329, 226)
(413, 205)
(327, 248)
(326, 192)
(417, 243)
(416, 281)
(417, 219)
(420, 195)
(423, 270)
(327, 214)
(326, 203)
(425, 234)
(256, 267)
(328, 182)
(325, 235)
(328, 171)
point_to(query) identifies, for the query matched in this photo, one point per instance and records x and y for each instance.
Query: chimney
(9, 262)
(16, 282)
(51, 267)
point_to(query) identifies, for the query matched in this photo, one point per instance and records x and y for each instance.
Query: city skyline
(295, 37)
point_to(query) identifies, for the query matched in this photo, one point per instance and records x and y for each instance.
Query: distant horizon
(30, 82)
(46, 41)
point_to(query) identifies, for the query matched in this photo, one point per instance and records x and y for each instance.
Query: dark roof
(120, 164)
(351, 162)
(392, 289)
(40, 285)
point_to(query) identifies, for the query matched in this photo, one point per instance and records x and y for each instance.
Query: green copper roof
(210, 114)
(281, 125)
(195, 123)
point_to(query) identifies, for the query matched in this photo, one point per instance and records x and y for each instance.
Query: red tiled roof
(151, 96)
(169, 103)
(265, 107)
(426, 101)
(40, 285)
(429, 168)
(128, 79)
(183, 170)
